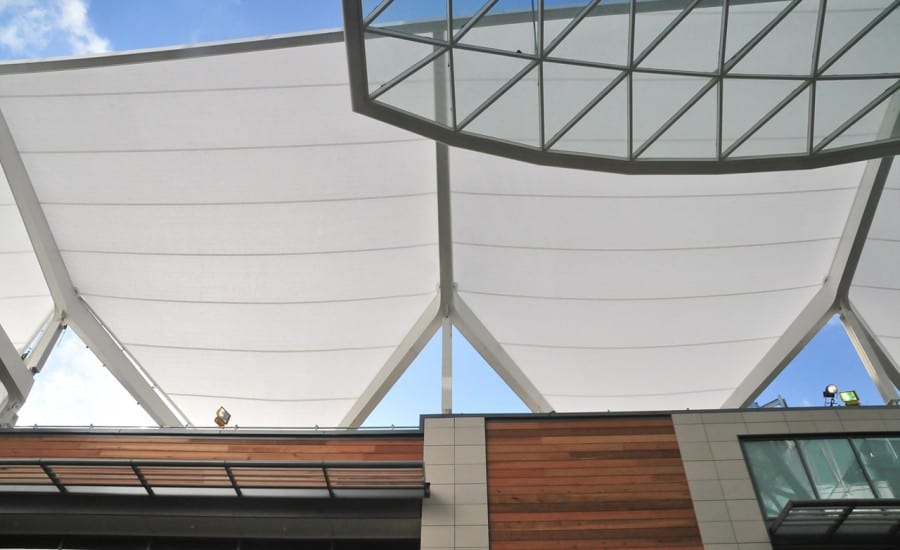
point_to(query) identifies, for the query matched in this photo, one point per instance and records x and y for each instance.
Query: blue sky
(74, 382)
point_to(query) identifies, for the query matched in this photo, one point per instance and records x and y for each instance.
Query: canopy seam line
(241, 203)
(677, 248)
(222, 148)
(683, 196)
(247, 254)
(626, 395)
(177, 91)
(248, 350)
(653, 346)
(276, 303)
(270, 399)
(638, 299)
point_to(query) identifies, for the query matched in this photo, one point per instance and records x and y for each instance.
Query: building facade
(735, 480)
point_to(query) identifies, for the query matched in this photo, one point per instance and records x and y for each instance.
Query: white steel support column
(79, 316)
(446, 366)
(50, 334)
(492, 352)
(831, 296)
(438, 313)
(799, 333)
(16, 378)
(445, 252)
(857, 229)
(419, 335)
(883, 373)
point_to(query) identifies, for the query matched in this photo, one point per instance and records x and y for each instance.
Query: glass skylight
(639, 85)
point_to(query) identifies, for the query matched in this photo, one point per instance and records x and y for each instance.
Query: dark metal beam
(70, 514)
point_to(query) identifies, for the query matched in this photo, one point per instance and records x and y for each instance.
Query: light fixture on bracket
(850, 398)
(830, 391)
(222, 417)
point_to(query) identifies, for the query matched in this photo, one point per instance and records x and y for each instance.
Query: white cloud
(75, 389)
(32, 27)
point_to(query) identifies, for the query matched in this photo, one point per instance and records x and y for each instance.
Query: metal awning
(250, 478)
(860, 521)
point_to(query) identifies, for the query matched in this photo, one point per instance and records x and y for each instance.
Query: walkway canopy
(221, 228)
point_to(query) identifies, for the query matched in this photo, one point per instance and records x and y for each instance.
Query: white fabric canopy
(641, 292)
(876, 286)
(252, 243)
(249, 240)
(25, 302)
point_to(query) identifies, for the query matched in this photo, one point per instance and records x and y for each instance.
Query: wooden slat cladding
(176, 447)
(572, 483)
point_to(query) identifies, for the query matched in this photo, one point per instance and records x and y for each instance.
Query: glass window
(835, 470)
(881, 459)
(778, 473)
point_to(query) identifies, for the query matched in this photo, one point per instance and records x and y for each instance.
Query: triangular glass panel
(874, 126)
(478, 75)
(368, 6)
(568, 88)
(425, 17)
(509, 25)
(785, 133)
(843, 21)
(651, 19)
(514, 117)
(558, 14)
(601, 37)
(477, 388)
(687, 47)
(875, 53)
(692, 136)
(788, 48)
(388, 57)
(464, 10)
(418, 93)
(746, 101)
(829, 358)
(838, 100)
(656, 98)
(75, 389)
(746, 20)
(602, 131)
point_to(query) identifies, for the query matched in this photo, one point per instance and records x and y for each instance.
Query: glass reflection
(823, 469)
(779, 474)
(881, 459)
(834, 469)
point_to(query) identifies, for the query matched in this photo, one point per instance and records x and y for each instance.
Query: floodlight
(222, 417)
(849, 398)
(830, 390)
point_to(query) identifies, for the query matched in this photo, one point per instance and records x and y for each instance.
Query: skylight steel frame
(815, 154)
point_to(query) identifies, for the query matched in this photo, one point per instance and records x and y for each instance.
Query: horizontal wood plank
(325, 448)
(613, 482)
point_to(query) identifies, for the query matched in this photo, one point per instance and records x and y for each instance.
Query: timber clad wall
(300, 448)
(587, 483)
